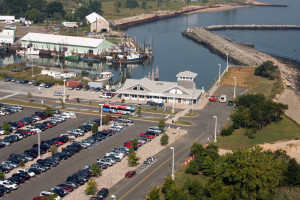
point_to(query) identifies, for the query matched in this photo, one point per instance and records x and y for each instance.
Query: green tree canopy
(132, 4)
(267, 70)
(55, 7)
(37, 4)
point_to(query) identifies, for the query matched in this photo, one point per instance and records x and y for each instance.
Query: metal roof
(6, 17)
(93, 17)
(187, 74)
(62, 39)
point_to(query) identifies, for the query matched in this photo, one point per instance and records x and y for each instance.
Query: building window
(142, 96)
(134, 88)
(126, 95)
(141, 88)
(134, 96)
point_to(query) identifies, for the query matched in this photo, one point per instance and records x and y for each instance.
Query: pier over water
(251, 27)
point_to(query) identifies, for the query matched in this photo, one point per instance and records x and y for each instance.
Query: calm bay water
(175, 53)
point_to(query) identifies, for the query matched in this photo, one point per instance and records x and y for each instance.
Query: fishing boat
(28, 51)
(70, 56)
(130, 58)
(109, 58)
(103, 76)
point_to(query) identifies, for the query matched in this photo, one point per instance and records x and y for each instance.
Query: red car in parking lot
(130, 174)
(147, 135)
(213, 99)
(20, 123)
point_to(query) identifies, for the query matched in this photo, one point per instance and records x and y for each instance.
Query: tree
(192, 168)
(153, 194)
(35, 15)
(81, 12)
(139, 112)
(132, 158)
(91, 187)
(96, 170)
(227, 131)
(6, 127)
(123, 101)
(267, 70)
(1, 175)
(106, 120)
(208, 166)
(53, 149)
(29, 96)
(49, 111)
(176, 193)
(37, 4)
(196, 149)
(164, 139)
(62, 103)
(95, 6)
(161, 124)
(293, 173)
(169, 182)
(94, 128)
(195, 188)
(134, 143)
(21, 163)
(248, 174)
(85, 73)
(55, 7)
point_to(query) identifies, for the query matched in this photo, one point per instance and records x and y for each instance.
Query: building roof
(157, 88)
(187, 74)
(5, 17)
(62, 39)
(93, 17)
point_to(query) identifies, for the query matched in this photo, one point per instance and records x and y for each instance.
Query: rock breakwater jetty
(239, 54)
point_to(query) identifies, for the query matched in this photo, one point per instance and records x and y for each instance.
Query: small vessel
(103, 76)
(70, 56)
(130, 58)
(109, 58)
(28, 51)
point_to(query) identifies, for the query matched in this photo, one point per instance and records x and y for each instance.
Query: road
(138, 186)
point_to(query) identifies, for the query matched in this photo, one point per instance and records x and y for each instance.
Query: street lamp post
(234, 87)
(227, 62)
(173, 176)
(215, 140)
(39, 145)
(64, 90)
(219, 73)
(114, 197)
(101, 116)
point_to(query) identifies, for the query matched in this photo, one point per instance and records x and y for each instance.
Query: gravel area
(115, 173)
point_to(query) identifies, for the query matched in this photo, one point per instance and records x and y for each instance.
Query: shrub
(94, 128)
(161, 124)
(49, 111)
(192, 168)
(1, 175)
(227, 131)
(95, 169)
(53, 149)
(106, 119)
(169, 182)
(267, 70)
(132, 158)
(164, 139)
(6, 127)
(91, 187)
(153, 194)
(22, 163)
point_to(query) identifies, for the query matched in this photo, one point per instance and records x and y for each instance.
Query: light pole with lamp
(173, 176)
(215, 140)
(39, 145)
(219, 73)
(64, 90)
(227, 62)
(101, 116)
(234, 87)
(114, 197)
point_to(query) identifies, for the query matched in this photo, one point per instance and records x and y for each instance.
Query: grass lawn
(181, 177)
(245, 77)
(158, 110)
(286, 129)
(190, 114)
(182, 122)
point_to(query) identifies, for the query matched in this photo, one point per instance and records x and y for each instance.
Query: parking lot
(66, 167)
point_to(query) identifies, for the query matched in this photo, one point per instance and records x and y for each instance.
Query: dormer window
(141, 88)
(135, 88)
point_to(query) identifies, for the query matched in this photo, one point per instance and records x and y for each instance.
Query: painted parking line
(10, 95)
(167, 116)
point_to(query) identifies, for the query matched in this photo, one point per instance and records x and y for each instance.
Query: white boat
(109, 58)
(28, 51)
(103, 76)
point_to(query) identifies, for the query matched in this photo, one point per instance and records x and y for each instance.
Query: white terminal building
(183, 91)
(73, 44)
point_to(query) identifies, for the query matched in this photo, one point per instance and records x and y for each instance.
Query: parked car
(58, 94)
(153, 103)
(86, 88)
(71, 88)
(16, 70)
(107, 95)
(130, 174)
(213, 99)
(79, 87)
(103, 193)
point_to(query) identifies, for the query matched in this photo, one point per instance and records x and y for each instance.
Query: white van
(223, 98)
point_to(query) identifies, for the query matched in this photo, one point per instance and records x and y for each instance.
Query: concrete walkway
(293, 101)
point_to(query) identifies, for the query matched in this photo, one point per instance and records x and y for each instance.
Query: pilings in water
(239, 54)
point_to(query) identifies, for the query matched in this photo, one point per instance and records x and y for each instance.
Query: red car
(37, 198)
(20, 123)
(59, 143)
(130, 174)
(213, 99)
(33, 132)
(147, 135)
(66, 187)
(128, 144)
